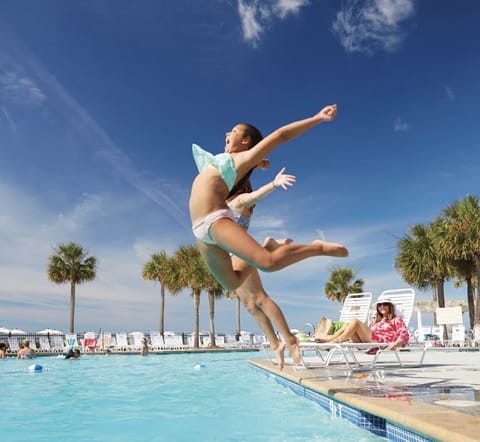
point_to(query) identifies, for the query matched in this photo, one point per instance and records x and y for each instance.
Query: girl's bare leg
(229, 236)
(277, 346)
(253, 295)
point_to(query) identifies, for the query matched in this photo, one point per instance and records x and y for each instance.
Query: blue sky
(101, 101)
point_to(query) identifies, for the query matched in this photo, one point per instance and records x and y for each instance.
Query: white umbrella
(50, 331)
(17, 331)
(4, 330)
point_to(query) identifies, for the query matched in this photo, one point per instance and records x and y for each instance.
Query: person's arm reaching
(246, 200)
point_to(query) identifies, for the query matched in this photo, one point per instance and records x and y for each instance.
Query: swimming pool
(169, 397)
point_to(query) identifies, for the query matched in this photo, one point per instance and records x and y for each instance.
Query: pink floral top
(389, 331)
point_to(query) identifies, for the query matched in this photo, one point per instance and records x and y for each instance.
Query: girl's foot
(294, 351)
(279, 353)
(330, 248)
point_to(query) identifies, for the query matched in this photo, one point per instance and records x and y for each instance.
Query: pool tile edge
(397, 420)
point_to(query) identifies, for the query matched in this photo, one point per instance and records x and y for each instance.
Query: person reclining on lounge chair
(385, 328)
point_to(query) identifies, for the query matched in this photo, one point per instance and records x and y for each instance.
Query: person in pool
(144, 347)
(213, 223)
(26, 352)
(3, 350)
(72, 354)
(264, 310)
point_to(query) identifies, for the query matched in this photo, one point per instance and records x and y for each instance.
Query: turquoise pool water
(158, 398)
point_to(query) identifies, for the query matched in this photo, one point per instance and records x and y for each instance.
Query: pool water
(162, 397)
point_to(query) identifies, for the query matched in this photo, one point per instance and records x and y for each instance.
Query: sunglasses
(379, 304)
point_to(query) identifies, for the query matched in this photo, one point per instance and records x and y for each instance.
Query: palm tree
(190, 270)
(214, 290)
(420, 260)
(71, 264)
(160, 268)
(463, 236)
(342, 282)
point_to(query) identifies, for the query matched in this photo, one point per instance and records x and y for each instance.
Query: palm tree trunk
(72, 307)
(238, 316)
(471, 301)
(441, 293)
(477, 303)
(196, 308)
(211, 302)
(162, 310)
(434, 299)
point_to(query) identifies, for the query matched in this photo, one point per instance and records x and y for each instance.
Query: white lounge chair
(121, 341)
(157, 340)
(458, 335)
(356, 305)
(44, 344)
(173, 342)
(13, 344)
(57, 343)
(136, 340)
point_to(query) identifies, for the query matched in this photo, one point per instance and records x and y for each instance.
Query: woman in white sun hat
(385, 328)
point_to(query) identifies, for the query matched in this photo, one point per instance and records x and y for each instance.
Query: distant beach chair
(231, 341)
(57, 344)
(121, 341)
(157, 340)
(458, 335)
(205, 341)
(220, 340)
(106, 341)
(89, 341)
(437, 333)
(13, 344)
(44, 344)
(71, 341)
(136, 340)
(173, 342)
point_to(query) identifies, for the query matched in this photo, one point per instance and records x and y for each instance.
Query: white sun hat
(384, 298)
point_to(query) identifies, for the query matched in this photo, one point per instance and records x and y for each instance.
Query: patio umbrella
(17, 331)
(4, 330)
(50, 331)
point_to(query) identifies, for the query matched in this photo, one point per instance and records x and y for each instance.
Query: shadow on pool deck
(441, 399)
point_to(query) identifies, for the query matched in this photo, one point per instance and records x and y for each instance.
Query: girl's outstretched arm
(247, 200)
(283, 134)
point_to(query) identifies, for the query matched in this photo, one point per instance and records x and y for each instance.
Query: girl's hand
(328, 113)
(283, 180)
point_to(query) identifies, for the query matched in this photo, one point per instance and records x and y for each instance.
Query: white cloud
(250, 24)
(371, 26)
(283, 8)
(256, 16)
(11, 123)
(399, 125)
(17, 88)
(86, 210)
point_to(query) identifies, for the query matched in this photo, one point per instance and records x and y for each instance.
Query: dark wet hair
(253, 133)
(244, 185)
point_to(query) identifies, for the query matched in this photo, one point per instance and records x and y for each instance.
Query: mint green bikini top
(223, 162)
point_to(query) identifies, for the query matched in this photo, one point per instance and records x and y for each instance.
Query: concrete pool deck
(439, 400)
